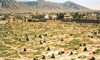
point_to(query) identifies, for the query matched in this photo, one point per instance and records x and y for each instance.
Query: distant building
(25, 19)
(28, 16)
(47, 16)
(68, 16)
(11, 17)
(54, 17)
(90, 16)
(1, 16)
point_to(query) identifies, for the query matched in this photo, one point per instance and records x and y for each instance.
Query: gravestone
(93, 58)
(62, 40)
(25, 49)
(71, 53)
(84, 44)
(53, 56)
(85, 49)
(40, 42)
(43, 57)
(48, 49)
(80, 44)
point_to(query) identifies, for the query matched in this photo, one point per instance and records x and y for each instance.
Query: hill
(40, 6)
(7, 6)
(46, 6)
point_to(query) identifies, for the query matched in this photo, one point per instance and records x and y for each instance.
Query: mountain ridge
(40, 6)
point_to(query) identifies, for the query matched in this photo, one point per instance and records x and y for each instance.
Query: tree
(0, 29)
(60, 16)
(98, 17)
(3, 18)
(77, 16)
(18, 17)
(38, 16)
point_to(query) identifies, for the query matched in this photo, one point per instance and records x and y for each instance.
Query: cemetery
(52, 40)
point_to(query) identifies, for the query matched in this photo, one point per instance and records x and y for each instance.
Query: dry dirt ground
(42, 40)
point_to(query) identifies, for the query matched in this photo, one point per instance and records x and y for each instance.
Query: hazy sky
(92, 4)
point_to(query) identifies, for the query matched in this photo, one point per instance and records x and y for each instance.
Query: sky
(92, 4)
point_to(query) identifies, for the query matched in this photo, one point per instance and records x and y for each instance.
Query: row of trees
(7, 17)
(76, 16)
(59, 16)
(38, 16)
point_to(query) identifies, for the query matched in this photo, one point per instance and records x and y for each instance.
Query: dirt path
(15, 50)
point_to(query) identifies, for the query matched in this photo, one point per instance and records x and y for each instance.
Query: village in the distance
(59, 16)
(57, 35)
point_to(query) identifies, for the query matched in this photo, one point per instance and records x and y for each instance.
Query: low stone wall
(83, 21)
